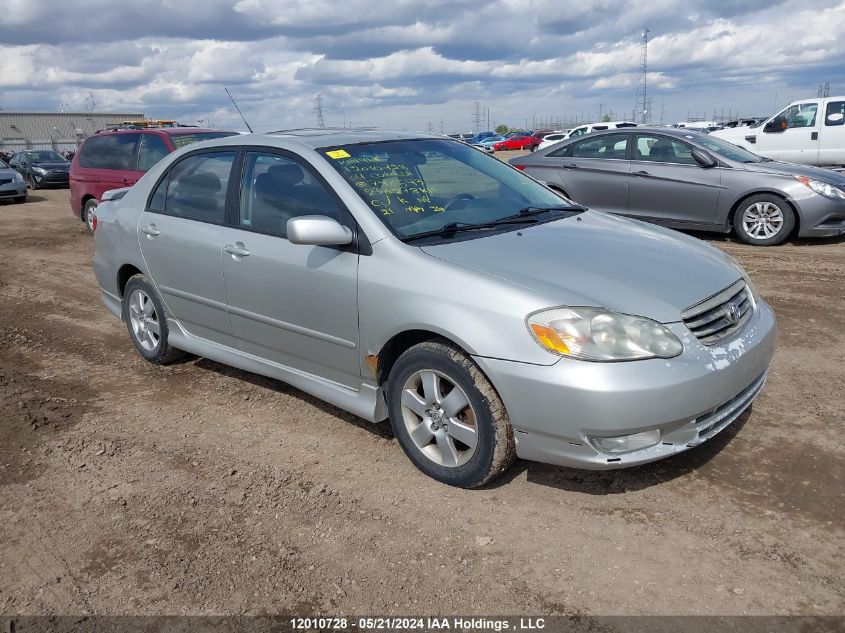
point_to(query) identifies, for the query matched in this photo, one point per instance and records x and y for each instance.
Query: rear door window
(835, 113)
(662, 149)
(613, 146)
(197, 187)
(110, 151)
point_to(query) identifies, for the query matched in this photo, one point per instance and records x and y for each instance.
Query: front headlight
(17, 177)
(39, 170)
(596, 334)
(822, 188)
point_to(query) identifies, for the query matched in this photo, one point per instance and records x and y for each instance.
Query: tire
(30, 180)
(434, 376)
(764, 220)
(88, 211)
(143, 314)
(20, 199)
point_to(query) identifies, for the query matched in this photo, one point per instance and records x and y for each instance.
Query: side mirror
(703, 158)
(318, 230)
(776, 125)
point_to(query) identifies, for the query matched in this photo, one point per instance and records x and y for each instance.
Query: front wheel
(20, 199)
(764, 220)
(447, 417)
(143, 313)
(89, 211)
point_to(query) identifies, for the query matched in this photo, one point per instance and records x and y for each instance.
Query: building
(54, 130)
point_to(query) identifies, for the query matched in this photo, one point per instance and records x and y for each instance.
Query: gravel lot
(197, 488)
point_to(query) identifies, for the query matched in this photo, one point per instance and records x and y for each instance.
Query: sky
(418, 65)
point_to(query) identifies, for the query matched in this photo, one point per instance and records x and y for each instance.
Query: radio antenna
(238, 109)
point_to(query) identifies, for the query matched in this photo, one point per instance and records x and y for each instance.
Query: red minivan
(115, 159)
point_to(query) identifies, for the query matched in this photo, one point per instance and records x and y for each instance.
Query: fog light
(626, 443)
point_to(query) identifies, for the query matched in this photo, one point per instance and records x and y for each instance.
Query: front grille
(5, 181)
(720, 316)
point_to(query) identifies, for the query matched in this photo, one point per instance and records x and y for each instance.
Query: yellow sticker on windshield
(338, 153)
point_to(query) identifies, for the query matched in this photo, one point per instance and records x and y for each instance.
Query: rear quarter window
(110, 151)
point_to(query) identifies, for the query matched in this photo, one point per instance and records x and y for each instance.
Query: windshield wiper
(448, 230)
(538, 210)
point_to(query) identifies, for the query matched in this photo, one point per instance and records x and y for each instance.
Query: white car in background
(595, 127)
(808, 132)
(555, 137)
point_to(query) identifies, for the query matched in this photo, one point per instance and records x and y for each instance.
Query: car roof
(666, 131)
(330, 137)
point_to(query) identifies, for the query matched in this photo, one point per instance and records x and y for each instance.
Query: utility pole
(318, 110)
(641, 95)
(442, 129)
(430, 128)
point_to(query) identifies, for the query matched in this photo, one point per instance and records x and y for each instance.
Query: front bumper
(819, 216)
(51, 178)
(555, 409)
(13, 189)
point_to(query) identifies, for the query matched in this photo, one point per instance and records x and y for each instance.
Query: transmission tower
(641, 97)
(476, 117)
(318, 110)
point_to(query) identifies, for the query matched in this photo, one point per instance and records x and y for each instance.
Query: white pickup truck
(809, 131)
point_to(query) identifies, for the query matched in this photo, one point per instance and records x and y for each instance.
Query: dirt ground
(197, 488)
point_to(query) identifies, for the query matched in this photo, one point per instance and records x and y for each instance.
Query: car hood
(791, 169)
(595, 259)
(7, 172)
(52, 165)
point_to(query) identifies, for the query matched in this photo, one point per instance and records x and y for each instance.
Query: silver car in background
(417, 279)
(690, 180)
(12, 184)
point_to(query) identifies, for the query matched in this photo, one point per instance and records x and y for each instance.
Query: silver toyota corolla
(418, 279)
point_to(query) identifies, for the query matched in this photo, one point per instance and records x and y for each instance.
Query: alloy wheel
(762, 220)
(439, 418)
(144, 320)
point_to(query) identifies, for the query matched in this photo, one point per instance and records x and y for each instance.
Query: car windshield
(180, 140)
(46, 156)
(725, 149)
(418, 186)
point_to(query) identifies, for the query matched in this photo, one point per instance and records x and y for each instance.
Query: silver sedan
(416, 279)
(690, 180)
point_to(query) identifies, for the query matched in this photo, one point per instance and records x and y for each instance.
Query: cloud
(406, 63)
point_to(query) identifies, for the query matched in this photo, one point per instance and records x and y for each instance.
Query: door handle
(150, 230)
(643, 174)
(236, 250)
(814, 136)
(570, 166)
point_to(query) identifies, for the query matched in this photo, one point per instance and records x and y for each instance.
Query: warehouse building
(54, 130)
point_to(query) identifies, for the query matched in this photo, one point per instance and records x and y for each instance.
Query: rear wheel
(764, 220)
(145, 319)
(89, 210)
(447, 417)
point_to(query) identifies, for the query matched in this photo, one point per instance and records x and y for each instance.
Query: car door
(593, 171)
(792, 135)
(292, 304)
(181, 238)
(668, 185)
(832, 134)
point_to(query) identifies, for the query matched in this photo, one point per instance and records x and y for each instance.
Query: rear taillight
(94, 223)
(520, 167)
